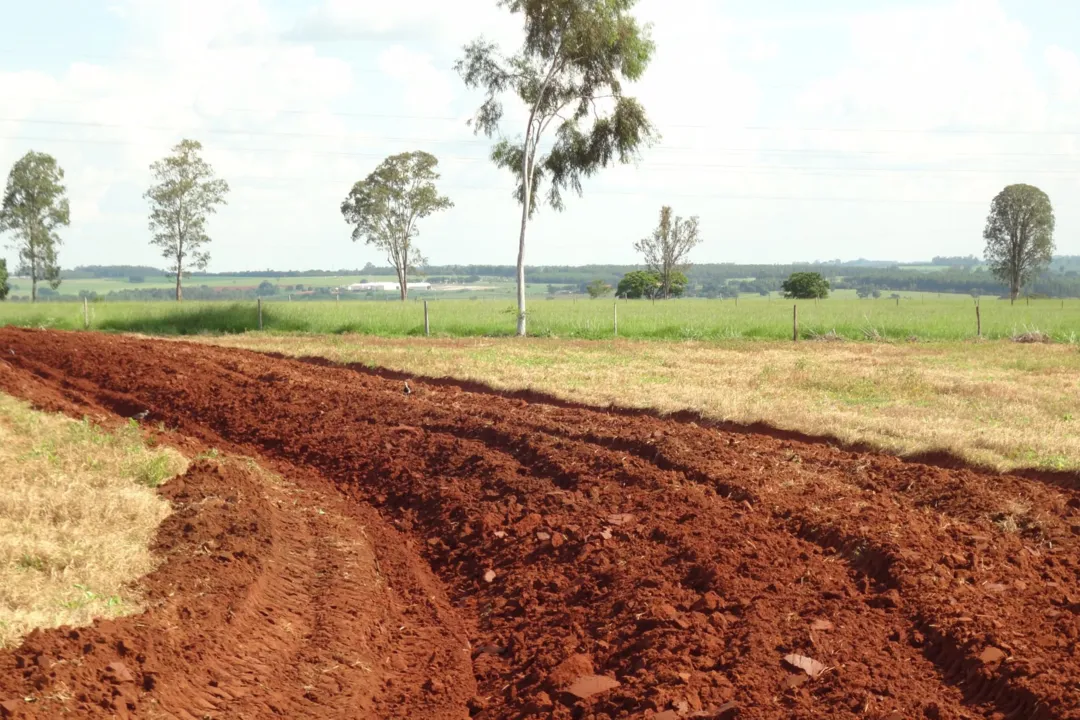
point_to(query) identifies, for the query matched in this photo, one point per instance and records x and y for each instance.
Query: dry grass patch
(77, 512)
(999, 404)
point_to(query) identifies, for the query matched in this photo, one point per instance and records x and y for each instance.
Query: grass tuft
(77, 512)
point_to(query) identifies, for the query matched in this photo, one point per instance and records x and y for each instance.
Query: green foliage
(4, 287)
(34, 207)
(679, 285)
(806, 286)
(867, 291)
(1019, 235)
(666, 249)
(266, 289)
(931, 319)
(386, 206)
(638, 284)
(185, 193)
(598, 289)
(569, 74)
(649, 284)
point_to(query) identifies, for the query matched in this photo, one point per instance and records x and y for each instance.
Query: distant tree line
(720, 281)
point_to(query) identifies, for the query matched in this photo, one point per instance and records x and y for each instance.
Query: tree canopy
(185, 193)
(569, 74)
(1019, 235)
(806, 286)
(385, 207)
(649, 284)
(598, 289)
(4, 287)
(266, 289)
(669, 245)
(35, 206)
(867, 291)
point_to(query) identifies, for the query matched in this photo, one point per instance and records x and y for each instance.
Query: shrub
(805, 286)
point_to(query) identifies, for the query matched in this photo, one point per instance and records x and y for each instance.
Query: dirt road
(559, 562)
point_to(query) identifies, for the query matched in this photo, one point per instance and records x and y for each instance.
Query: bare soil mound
(607, 565)
(273, 601)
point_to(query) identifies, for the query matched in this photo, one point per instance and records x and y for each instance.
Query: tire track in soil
(690, 603)
(270, 603)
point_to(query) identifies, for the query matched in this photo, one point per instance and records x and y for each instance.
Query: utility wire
(223, 131)
(698, 126)
(645, 164)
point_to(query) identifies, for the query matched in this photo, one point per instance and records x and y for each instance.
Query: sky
(858, 128)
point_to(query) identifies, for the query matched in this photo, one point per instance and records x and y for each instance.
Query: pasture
(914, 317)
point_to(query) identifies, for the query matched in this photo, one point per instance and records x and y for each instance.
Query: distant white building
(386, 286)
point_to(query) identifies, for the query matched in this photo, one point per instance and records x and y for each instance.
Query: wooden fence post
(427, 321)
(795, 323)
(978, 321)
(259, 304)
(616, 317)
(898, 301)
(85, 314)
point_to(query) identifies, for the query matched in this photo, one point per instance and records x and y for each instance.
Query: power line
(324, 181)
(756, 168)
(325, 136)
(697, 126)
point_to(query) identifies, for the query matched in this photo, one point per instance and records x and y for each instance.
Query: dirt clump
(268, 604)
(608, 565)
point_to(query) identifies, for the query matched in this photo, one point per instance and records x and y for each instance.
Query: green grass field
(103, 286)
(925, 317)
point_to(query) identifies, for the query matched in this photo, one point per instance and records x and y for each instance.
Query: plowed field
(447, 553)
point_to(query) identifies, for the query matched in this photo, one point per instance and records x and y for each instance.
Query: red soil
(597, 565)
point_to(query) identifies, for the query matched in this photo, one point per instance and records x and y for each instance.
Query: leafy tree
(865, 291)
(649, 284)
(35, 205)
(805, 286)
(1019, 235)
(266, 289)
(666, 250)
(569, 73)
(598, 289)
(638, 284)
(4, 287)
(679, 284)
(386, 206)
(185, 193)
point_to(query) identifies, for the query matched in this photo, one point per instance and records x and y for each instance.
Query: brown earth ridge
(450, 553)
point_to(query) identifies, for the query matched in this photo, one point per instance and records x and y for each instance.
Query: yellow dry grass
(998, 404)
(77, 512)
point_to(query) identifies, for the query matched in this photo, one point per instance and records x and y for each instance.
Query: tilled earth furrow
(683, 562)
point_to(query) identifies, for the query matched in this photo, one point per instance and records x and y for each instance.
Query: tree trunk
(1014, 292)
(33, 286)
(179, 291)
(526, 179)
(402, 284)
(521, 269)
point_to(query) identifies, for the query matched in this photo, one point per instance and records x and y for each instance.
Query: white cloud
(291, 121)
(1065, 65)
(426, 90)
(926, 67)
(444, 25)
